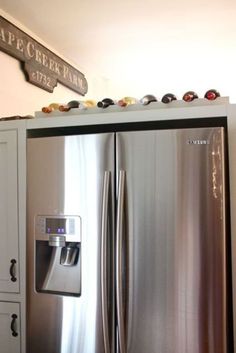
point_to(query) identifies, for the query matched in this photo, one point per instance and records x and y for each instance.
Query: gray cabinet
(12, 237)
(9, 264)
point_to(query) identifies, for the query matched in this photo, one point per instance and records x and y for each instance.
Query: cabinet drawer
(9, 327)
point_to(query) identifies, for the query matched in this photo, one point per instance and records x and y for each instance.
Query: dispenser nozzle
(57, 240)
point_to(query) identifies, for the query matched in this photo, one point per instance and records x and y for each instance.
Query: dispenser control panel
(57, 225)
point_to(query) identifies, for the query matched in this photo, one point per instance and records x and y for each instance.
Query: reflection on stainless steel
(217, 152)
(176, 295)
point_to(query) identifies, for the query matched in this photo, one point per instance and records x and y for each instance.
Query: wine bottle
(106, 102)
(212, 94)
(168, 97)
(70, 105)
(190, 96)
(89, 103)
(127, 101)
(51, 108)
(149, 98)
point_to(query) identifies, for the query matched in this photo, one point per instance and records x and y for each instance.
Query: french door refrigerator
(128, 242)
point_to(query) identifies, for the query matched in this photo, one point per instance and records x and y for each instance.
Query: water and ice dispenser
(58, 254)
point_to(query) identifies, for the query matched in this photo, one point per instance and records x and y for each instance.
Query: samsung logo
(198, 142)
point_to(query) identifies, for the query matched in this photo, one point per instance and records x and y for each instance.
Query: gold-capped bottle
(127, 101)
(212, 94)
(106, 102)
(50, 108)
(89, 103)
(70, 105)
(168, 97)
(149, 98)
(190, 96)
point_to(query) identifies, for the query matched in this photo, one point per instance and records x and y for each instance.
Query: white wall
(19, 97)
(142, 47)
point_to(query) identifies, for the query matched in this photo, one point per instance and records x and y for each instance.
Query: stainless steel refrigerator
(128, 241)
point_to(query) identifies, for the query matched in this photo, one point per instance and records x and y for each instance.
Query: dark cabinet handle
(13, 321)
(12, 270)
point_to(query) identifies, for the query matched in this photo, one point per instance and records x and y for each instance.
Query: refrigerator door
(171, 241)
(70, 299)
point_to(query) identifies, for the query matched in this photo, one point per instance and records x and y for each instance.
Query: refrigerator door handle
(119, 246)
(105, 197)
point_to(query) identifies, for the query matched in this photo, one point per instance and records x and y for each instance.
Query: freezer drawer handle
(105, 197)
(12, 270)
(119, 246)
(13, 323)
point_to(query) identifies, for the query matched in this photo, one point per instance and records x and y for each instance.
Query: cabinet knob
(12, 270)
(13, 323)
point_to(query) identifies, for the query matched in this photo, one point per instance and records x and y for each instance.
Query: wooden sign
(42, 67)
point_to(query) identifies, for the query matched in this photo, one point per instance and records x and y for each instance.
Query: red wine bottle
(190, 96)
(70, 105)
(149, 98)
(124, 102)
(168, 97)
(212, 94)
(106, 102)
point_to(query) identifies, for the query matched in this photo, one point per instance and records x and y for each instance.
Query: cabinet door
(9, 328)
(9, 279)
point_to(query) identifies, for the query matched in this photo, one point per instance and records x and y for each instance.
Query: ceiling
(138, 44)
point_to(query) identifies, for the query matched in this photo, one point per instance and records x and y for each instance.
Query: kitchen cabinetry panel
(9, 266)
